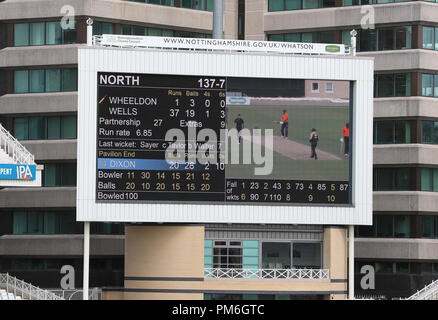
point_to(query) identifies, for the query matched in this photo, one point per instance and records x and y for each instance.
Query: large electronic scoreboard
(230, 137)
(135, 161)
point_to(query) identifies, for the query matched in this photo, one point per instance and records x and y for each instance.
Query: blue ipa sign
(17, 172)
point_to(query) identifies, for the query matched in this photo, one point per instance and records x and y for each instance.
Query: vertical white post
(86, 259)
(353, 34)
(89, 32)
(350, 262)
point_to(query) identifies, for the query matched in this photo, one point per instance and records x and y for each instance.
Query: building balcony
(281, 274)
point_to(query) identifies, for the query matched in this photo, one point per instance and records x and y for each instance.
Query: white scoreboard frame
(230, 64)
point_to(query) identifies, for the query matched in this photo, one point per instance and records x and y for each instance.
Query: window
(429, 132)
(429, 87)
(429, 179)
(45, 80)
(306, 255)
(387, 226)
(429, 226)
(329, 87)
(59, 175)
(227, 254)
(395, 38)
(310, 37)
(315, 87)
(276, 255)
(43, 33)
(430, 38)
(387, 179)
(281, 5)
(189, 4)
(429, 268)
(392, 131)
(100, 28)
(392, 85)
(42, 128)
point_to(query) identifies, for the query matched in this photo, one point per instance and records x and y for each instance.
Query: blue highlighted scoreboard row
(147, 164)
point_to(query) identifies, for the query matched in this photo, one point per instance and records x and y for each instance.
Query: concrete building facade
(38, 104)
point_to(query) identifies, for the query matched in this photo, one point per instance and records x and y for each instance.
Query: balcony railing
(230, 273)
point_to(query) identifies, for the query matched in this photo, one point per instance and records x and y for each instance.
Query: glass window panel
(426, 131)
(402, 179)
(69, 79)
(50, 175)
(402, 131)
(21, 128)
(327, 3)
(327, 37)
(384, 132)
(436, 38)
(167, 33)
(435, 179)
(384, 179)
(186, 4)
(309, 4)
(34, 222)
(292, 37)
(154, 32)
(37, 31)
(19, 223)
(210, 4)
(50, 223)
(426, 179)
(21, 34)
(428, 37)
(402, 85)
(21, 81)
(385, 226)
(365, 231)
(308, 37)
(53, 128)
(68, 174)
(427, 227)
(367, 40)
(426, 268)
(276, 255)
(276, 37)
(53, 33)
(70, 35)
(384, 267)
(346, 37)
(402, 227)
(307, 255)
(125, 29)
(37, 128)
(276, 5)
(139, 31)
(402, 267)
(427, 85)
(293, 4)
(403, 38)
(36, 80)
(107, 28)
(67, 222)
(385, 85)
(435, 85)
(68, 127)
(53, 80)
(386, 39)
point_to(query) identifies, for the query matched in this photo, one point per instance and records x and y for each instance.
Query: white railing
(93, 294)
(14, 149)
(230, 273)
(25, 290)
(429, 292)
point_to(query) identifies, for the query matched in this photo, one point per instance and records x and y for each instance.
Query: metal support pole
(86, 259)
(350, 262)
(218, 19)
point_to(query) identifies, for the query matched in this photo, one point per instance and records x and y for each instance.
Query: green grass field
(328, 121)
